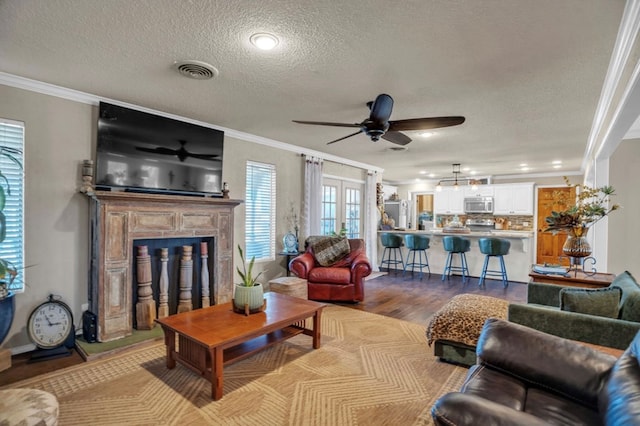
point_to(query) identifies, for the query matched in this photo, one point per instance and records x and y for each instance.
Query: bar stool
(416, 244)
(459, 245)
(494, 247)
(391, 244)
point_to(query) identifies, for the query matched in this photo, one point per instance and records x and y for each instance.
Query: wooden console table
(579, 279)
(212, 337)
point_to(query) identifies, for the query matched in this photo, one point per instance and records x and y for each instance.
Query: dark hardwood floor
(392, 295)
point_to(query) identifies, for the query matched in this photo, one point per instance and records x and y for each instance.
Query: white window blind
(12, 182)
(260, 205)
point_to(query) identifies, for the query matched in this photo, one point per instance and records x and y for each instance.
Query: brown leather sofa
(527, 377)
(343, 281)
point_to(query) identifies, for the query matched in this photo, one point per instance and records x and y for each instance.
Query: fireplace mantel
(119, 218)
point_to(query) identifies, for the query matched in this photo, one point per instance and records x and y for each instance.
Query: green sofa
(542, 312)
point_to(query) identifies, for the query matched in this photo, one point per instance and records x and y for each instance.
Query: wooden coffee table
(212, 337)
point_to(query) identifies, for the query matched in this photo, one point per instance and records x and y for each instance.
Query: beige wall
(624, 227)
(59, 135)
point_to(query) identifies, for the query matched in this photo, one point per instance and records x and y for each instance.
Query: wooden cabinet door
(550, 245)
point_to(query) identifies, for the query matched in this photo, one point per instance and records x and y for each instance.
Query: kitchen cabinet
(448, 201)
(513, 199)
(480, 191)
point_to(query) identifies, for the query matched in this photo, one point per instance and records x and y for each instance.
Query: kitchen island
(518, 261)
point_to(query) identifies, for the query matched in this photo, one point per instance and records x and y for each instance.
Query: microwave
(478, 205)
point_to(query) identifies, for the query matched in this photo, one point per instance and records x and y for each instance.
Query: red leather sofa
(343, 281)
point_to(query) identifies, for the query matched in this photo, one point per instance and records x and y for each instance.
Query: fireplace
(119, 220)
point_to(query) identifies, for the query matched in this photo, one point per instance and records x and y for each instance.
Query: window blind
(11, 153)
(260, 205)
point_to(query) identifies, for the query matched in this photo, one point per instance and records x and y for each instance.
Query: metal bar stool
(416, 244)
(391, 255)
(459, 245)
(494, 247)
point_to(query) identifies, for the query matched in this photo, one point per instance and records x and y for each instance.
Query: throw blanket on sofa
(328, 250)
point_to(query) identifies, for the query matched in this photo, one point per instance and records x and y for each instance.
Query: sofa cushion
(329, 250)
(630, 300)
(602, 302)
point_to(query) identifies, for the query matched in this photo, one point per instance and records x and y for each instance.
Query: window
(260, 204)
(11, 160)
(341, 207)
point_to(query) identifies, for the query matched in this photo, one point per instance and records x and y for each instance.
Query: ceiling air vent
(196, 69)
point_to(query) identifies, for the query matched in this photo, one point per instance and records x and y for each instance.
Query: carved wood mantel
(119, 218)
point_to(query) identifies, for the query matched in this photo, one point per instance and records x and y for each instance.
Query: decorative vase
(7, 310)
(248, 299)
(577, 244)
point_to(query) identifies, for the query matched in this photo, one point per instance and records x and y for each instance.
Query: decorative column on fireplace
(119, 218)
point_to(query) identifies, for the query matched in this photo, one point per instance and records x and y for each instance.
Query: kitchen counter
(518, 261)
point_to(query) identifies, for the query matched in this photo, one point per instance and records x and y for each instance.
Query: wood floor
(392, 295)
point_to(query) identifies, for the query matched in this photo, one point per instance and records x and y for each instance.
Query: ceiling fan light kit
(379, 126)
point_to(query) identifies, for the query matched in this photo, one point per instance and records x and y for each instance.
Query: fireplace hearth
(120, 221)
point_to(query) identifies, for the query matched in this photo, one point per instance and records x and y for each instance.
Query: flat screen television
(143, 152)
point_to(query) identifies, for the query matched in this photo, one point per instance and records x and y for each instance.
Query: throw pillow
(602, 302)
(328, 250)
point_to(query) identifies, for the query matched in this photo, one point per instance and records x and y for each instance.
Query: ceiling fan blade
(425, 123)
(159, 150)
(381, 109)
(324, 123)
(343, 138)
(397, 138)
(204, 156)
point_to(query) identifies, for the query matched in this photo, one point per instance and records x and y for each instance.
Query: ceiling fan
(379, 126)
(181, 153)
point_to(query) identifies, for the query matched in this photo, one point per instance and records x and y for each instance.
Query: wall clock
(290, 243)
(50, 325)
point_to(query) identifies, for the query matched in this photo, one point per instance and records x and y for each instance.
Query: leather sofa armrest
(461, 409)
(361, 265)
(302, 265)
(573, 370)
(610, 332)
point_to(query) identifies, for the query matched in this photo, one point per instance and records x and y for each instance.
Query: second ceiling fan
(379, 126)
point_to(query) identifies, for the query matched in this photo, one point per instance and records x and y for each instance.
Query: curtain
(371, 219)
(312, 204)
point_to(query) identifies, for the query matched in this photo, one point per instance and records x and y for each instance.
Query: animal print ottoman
(455, 328)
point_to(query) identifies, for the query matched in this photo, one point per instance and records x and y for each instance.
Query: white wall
(624, 227)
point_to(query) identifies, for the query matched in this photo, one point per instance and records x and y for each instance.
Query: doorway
(549, 248)
(422, 215)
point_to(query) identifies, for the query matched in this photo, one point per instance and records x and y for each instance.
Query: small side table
(579, 279)
(289, 255)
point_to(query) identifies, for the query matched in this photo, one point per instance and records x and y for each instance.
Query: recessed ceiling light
(557, 166)
(556, 162)
(423, 172)
(426, 134)
(524, 169)
(432, 175)
(523, 164)
(473, 172)
(264, 41)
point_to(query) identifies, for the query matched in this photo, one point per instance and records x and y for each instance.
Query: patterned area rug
(370, 370)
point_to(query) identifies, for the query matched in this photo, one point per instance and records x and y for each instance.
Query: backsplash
(514, 223)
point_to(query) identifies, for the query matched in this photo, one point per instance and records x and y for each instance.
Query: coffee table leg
(316, 329)
(170, 343)
(217, 383)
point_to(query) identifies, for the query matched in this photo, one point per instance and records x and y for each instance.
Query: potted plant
(592, 204)
(8, 271)
(249, 294)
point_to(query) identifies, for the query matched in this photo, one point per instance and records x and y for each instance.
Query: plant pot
(7, 310)
(577, 244)
(248, 299)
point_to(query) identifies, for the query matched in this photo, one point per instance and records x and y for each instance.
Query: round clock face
(290, 243)
(50, 324)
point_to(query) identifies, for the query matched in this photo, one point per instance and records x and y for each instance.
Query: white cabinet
(480, 191)
(513, 199)
(448, 201)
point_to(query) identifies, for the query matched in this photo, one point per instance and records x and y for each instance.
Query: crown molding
(87, 98)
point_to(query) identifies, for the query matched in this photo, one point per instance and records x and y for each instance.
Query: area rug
(369, 370)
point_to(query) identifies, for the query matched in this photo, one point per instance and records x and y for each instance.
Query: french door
(342, 207)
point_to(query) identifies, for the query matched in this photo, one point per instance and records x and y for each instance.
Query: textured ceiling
(527, 75)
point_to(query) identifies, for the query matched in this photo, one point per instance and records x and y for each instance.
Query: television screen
(147, 152)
